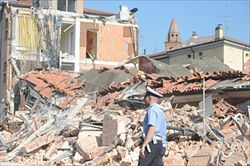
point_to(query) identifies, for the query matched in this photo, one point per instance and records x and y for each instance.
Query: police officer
(154, 131)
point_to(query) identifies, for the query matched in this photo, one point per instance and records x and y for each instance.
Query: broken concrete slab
(85, 145)
(112, 126)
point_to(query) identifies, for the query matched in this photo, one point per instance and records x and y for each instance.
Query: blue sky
(154, 18)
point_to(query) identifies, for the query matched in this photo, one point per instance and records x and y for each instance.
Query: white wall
(233, 57)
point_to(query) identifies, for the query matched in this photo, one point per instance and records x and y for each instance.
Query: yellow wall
(182, 58)
(233, 56)
(212, 52)
(27, 32)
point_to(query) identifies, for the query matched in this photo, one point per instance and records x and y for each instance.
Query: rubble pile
(224, 137)
(105, 128)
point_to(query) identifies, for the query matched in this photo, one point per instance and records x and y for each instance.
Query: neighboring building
(49, 34)
(230, 51)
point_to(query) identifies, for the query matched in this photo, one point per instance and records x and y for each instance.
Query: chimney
(194, 35)
(124, 13)
(218, 32)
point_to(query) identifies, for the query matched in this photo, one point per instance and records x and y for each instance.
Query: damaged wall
(114, 43)
(20, 45)
(35, 39)
(5, 50)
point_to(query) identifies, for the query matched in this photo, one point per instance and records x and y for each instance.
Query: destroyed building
(68, 119)
(61, 34)
(94, 117)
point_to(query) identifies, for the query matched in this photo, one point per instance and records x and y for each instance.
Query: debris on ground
(63, 119)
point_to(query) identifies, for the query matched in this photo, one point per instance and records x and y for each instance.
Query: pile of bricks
(98, 130)
(112, 137)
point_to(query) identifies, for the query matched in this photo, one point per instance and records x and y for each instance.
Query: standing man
(154, 131)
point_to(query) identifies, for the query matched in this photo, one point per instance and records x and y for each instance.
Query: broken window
(91, 45)
(67, 5)
(68, 39)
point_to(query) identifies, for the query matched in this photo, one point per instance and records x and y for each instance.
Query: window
(4, 66)
(41, 3)
(61, 5)
(176, 35)
(6, 35)
(91, 45)
(189, 56)
(4, 78)
(172, 35)
(6, 23)
(71, 5)
(247, 55)
(200, 55)
(66, 5)
(127, 32)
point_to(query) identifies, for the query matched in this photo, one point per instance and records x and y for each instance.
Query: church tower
(173, 38)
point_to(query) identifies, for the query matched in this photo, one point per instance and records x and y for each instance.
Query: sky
(154, 17)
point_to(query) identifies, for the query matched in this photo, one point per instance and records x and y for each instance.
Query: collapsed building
(95, 117)
(50, 116)
(64, 35)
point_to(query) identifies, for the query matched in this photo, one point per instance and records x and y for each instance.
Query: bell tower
(173, 38)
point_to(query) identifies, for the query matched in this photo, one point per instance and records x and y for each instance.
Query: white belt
(157, 137)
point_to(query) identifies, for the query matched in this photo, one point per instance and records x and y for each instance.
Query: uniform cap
(150, 91)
